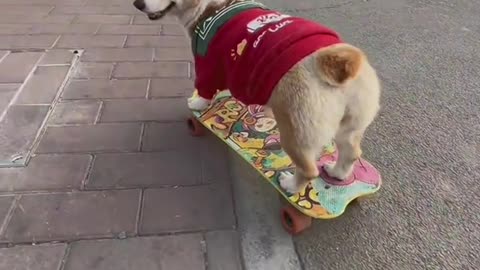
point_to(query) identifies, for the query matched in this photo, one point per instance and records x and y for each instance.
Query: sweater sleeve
(209, 76)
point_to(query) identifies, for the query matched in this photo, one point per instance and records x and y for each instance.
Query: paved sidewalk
(98, 170)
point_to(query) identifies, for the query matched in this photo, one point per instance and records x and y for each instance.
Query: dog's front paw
(198, 103)
(289, 182)
(334, 172)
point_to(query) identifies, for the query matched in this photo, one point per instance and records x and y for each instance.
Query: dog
(318, 87)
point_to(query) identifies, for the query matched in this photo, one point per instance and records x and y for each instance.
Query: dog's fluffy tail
(338, 64)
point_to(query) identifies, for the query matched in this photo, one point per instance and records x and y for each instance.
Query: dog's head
(156, 9)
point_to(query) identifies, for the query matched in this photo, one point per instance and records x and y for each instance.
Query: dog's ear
(338, 64)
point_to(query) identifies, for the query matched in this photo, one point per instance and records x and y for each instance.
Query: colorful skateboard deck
(254, 136)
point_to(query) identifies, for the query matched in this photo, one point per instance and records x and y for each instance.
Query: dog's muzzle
(140, 5)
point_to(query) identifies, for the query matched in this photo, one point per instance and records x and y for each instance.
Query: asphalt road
(425, 140)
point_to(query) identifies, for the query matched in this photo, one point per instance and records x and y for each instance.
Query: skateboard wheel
(195, 127)
(294, 221)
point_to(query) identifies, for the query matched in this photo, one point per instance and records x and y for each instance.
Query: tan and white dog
(333, 93)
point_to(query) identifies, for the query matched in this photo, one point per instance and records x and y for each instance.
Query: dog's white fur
(198, 103)
(153, 6)
(332, 94)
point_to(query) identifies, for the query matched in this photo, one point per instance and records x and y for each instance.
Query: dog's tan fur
(332, 94)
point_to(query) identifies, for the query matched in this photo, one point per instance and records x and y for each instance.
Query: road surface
(425, 140)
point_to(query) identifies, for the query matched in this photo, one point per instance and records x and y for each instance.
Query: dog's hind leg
(302, 137)
(348, 141)
(307, 118)
(303, 153)
(349, 136)
(306, 167)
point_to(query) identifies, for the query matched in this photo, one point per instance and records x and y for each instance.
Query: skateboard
(252, 133)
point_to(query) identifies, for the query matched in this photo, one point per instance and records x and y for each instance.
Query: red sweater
(250, 52)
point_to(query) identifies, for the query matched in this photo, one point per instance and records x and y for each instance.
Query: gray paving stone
(91, 70)
(46, 172)
(169, 136)
(15, 29)
(215, 161)
(36, 19)
(169, 168)
(152, 69)
(26, 10)
(7, 91)
(90, 138)
(103, 88)
(125, 8)
(27, 41)
(2, 54)
(209, 150)
(173, 54)
(54, 28)
(15, 67)
(173, 30)
(89, 3)
(90, 41)
(57, 57)
(41, 257)
(174, 87)
(75, 112)
(100, 3)
(103, 19)
(117, 55)
(207, 207)
(115, 29)
(223, 252)
(71, 9)
(174, 109)
(5, 204)
(68, 216)
(177, 252)
(174, 165)
(157, 41)
(18, 131)
(43, 85)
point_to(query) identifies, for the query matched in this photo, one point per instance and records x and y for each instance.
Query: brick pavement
(97, 168)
